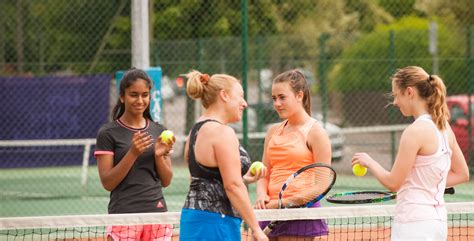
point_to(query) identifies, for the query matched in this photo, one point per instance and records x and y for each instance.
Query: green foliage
(369, 62)
(51, 36)
(369, 13)
(53, 32)
(399, 8)
(459, 12)
(180, 18)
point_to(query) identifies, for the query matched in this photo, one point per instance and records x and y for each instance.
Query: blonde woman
(218, 165)
(429, 158)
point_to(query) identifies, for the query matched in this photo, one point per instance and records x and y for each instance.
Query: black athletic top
(206, 191)
(140, 191)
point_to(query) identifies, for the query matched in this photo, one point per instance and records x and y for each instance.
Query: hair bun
(431, 79)
(204, 78)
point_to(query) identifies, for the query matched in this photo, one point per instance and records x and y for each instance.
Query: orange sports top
(285, 154)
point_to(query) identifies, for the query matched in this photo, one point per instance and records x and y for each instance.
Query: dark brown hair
(128, 79)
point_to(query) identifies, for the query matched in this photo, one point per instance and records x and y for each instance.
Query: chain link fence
(58, 60)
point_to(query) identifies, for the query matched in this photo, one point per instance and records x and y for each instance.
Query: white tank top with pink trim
(421, 195)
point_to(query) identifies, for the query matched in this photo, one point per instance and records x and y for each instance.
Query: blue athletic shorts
(208, 226)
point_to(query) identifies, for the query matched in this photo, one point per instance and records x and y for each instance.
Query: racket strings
(359, 196)
(307, 185)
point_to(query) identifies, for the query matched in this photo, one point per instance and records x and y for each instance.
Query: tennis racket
(304, 188)
(368, 196)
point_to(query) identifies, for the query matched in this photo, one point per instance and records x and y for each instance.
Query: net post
(85, 165)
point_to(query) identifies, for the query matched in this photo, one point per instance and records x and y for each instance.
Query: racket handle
(449, 190)
(270, 227)
(267, 230)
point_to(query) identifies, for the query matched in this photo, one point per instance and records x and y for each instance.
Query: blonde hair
(207, 88)
(430, 88)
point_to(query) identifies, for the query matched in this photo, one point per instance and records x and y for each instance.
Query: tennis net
(361, 222)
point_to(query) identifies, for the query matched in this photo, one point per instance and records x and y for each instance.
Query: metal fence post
(391, 54)
(323, 65)
(258, 63)
(245, 60)
(470, 65)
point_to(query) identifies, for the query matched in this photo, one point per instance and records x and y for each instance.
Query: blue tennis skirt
(198, 225)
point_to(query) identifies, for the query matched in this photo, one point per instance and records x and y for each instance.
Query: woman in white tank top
(428, 160)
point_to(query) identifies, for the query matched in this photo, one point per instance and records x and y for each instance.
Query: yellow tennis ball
(256, 167)
(359, 170)
(167, 136)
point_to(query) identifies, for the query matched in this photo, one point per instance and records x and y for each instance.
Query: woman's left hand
(249, 178)
(162, 148)
(272, 204)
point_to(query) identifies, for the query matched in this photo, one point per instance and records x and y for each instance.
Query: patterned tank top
(206, 191)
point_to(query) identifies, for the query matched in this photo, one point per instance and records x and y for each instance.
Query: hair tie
(204, 78)
(430, 79)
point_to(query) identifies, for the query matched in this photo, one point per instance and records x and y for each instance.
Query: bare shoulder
(226, 130)
(317, 130)
(418, 127)
(318, 136)
(218, 131)
(273, 128)
(418, 131)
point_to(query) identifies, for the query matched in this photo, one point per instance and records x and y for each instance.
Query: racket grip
(269, 227)
(449, 190)
(267, 230)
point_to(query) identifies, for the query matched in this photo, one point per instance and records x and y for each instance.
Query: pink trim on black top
(96, 153)
(133, 129)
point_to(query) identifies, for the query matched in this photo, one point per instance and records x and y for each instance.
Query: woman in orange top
(294, 143)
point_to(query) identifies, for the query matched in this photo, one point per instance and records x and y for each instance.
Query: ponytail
(437, 106)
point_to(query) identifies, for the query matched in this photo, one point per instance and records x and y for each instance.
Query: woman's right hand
(251, 178)
(259, 235)
(140, 142)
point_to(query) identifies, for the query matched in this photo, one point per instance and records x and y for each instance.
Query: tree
(367, 61)
(53, 36)
(399, 8)
(460, 12)
(362, 73)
